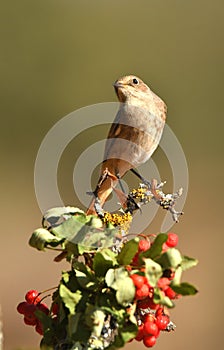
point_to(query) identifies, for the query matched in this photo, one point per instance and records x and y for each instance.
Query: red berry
(172, 240)
(30, 317)
(22, 307)
(138, 280)
(39, 328)
(30, 321)
(30, 309)
(144, 304)
(55, 309)
(140, 333)
(149, 340)
(43, 307)
(142, 293)
(159, 311)
(143, 245)
(162, 321)
(32, 297)
(170, 293)
(150, 328)
(163, 283)
(152, 305)
(149, 318)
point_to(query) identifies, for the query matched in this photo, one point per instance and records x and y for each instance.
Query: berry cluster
(29, 307)
(112, 294)
(150, 327)
(151, 316)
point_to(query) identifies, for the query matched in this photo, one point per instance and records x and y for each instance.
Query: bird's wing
(117, 132)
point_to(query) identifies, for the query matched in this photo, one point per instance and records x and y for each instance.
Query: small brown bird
(133, 136)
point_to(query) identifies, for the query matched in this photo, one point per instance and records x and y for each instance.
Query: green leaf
(86, 231)
(159, 298)
(70, 280)
(170, 259)
(110, 278)
(65, 276)
(125, 292)
(94, 318)
(94, 221)
(41, 238)
(177, 276)
(73, 321)
(128, 332)
(71, 250)
(128, 252)
(185, 288)
(153, 271)
(119, 280)
(85, 281)
(45, 320)
(118, 343)
(156, 247)
(44, 346)
(188, 262)
(83, 275)
(56, 216)
(70, 299)
(72, 228)
(103, 261)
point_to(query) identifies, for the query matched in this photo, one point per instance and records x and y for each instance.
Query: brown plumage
(134, 134)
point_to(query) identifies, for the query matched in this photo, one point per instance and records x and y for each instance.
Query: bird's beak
(117, 85)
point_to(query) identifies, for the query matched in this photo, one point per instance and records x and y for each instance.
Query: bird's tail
(104, 188)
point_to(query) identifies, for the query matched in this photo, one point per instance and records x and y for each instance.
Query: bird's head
(130, 86)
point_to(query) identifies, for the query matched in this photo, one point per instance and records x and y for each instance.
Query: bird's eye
(135, 81)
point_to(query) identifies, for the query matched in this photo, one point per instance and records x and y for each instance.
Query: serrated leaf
(70, 299)
(41, 238)
(156, 247)
(185, 288)
(170, 259)
(103, 261)
(153, 271)
(128, 252)
(188, 262)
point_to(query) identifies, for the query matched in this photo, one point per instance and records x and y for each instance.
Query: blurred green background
(60, 55)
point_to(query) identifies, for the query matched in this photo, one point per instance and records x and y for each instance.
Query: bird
(133, 136)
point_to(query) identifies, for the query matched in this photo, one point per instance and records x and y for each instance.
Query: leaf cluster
(95, 299)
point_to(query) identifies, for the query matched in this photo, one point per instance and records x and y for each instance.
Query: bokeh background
(60, 55)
